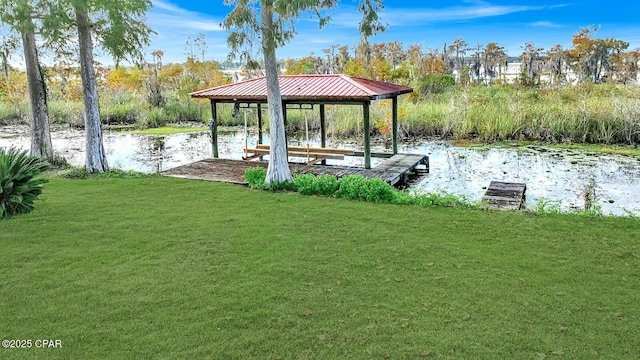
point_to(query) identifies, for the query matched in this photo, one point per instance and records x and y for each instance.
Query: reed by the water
(608, 114)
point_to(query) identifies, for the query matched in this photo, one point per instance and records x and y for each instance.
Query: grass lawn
(163, 268)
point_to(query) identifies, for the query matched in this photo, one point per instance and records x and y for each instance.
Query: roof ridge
(357, 84)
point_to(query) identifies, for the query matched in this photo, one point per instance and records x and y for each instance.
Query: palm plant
(18, 188)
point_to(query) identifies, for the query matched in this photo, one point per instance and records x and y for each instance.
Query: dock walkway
(395, 170)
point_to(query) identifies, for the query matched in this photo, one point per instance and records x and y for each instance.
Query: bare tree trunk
(40, 135)
(96, 159)
(278, 170)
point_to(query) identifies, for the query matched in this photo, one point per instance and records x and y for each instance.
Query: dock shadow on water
(556, 176)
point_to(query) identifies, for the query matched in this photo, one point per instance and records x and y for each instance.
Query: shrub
(442, 200)
(435, 84)
(351, 187)
(66, 112)
(122, 114)
(356, 187)
(255, 177)
(18, 188)
(282, 186)
(325, 185)
(154, 118)
(80, 173)
(403, 198)
(304, 184)
(181, 110)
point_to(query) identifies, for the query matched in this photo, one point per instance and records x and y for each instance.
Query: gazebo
(301, 90)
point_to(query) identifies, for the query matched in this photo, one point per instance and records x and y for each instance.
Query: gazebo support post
(259, 124)
(394, 124)
(284, 121)
(367, 136)
(323, 130)
(213, 127)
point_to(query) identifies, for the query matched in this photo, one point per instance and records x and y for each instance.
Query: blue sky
(510, 23)
(430, 23)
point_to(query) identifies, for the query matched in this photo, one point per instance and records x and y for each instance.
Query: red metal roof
(313, 88)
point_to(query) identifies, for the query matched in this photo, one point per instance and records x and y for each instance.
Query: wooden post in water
(367, 136)
(213, 127)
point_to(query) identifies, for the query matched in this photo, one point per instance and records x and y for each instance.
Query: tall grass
(587, 113)
(14, 112)
(66, 112)
(607, 114)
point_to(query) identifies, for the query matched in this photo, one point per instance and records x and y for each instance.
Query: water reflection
(555, 175)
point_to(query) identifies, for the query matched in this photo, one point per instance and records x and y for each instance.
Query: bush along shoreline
(357, 187)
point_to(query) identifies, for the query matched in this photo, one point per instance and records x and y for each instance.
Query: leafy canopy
(245, 26)
(119, 26)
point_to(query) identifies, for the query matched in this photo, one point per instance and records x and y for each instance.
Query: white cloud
(167, 6)
(164, 15)
(174, 25)
(474, 10)
(545, 24)
(402, 16)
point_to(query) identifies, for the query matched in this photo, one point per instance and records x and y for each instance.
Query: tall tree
(342, 58)
(625, 66)
(493, 56)
(556, 61)
(455, 54)
(96, 157)
(19, 15)
(274, 23)
(590, 57)
(119, 28)
(531, 64)
(395, 52)
(415, 57)
(476, 63)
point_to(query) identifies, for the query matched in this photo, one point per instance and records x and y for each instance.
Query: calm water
(551, 174)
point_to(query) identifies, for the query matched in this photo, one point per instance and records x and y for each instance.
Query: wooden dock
(505, 196)
(396, 170)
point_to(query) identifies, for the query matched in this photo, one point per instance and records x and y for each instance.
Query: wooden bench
(313, 154)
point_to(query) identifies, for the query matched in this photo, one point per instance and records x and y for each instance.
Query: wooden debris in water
(505, 196)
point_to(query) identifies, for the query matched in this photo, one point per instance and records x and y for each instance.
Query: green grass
(168, 268)
(169, 130)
